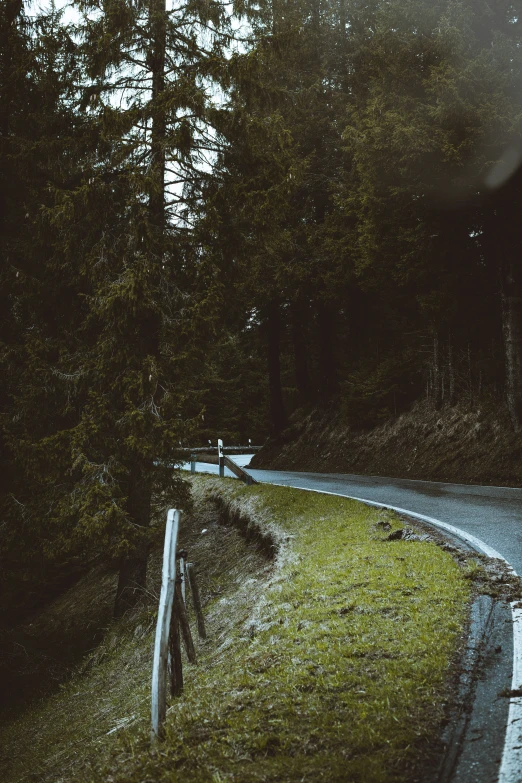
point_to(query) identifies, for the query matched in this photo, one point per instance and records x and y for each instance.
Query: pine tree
(431, 111)
(38, 317)
(142, 320)
(274, 188)
(109, 306)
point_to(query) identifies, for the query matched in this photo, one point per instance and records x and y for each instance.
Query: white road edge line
(511, 764)
(397, 478)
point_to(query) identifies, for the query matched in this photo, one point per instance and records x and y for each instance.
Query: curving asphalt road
(492, 514)
(490, 519)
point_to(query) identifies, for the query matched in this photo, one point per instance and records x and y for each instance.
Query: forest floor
(455, 444)
(328, 657)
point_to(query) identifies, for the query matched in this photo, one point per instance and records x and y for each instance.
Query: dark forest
(213, 217)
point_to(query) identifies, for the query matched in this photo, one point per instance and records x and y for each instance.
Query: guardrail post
(192, 463)
(176, 673)
(161, 644)
(183, 623)
(221, 459)
(196, 600)
(182, 554)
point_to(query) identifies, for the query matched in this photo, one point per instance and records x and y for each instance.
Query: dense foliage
(381, 252)
(206, 225)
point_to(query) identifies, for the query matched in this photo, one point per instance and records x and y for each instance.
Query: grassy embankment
(328, 662)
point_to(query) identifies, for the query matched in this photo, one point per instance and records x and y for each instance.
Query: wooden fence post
(196, 600)
(181, 616)
(161, 645)
(182, 554)
(221, 459)
(176, 664)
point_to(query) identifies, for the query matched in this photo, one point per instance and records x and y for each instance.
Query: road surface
(492, 514)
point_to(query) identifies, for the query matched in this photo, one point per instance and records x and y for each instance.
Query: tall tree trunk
(451, 371)
(342, 22)
(316, 21)
(133, 569)
(273, 329)
(511, 300)
(132, 578)
(437, 384)
(300, 350)
(9, 13)
(276, 18)
(158, 18)
(326, 339)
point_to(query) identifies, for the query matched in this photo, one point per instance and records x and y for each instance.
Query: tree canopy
(214, 216)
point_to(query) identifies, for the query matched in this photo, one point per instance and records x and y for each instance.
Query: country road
(493, 515)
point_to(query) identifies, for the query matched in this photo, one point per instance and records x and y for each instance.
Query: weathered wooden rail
(223, 462)
(226, 449)
(161, 645)
(172, 625)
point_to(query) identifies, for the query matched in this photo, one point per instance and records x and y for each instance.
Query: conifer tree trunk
(275, 17)
(300, 350)
(273, 327)
(451, 371)
(133, 570)
(326, 338)
(8, 15)
(342, 21)
(511, 300)
(159, 125)
(437, 375)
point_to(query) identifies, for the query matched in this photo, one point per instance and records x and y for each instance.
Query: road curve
(491, 514)
(489, 517)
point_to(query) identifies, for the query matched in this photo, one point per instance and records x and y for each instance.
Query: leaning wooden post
(182, 554)
(196, 600)
(161, 645)
(176, 673)
(221, 458)
(181, 616)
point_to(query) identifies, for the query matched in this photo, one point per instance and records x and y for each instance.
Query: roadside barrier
(227, 449)
(173, 625)
(222, 461)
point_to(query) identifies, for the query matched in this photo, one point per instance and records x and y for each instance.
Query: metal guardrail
(222, 461)
(172, 625)
(161, 645)
(226, 449)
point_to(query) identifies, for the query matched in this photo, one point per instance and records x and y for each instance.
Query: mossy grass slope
(330, 662)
